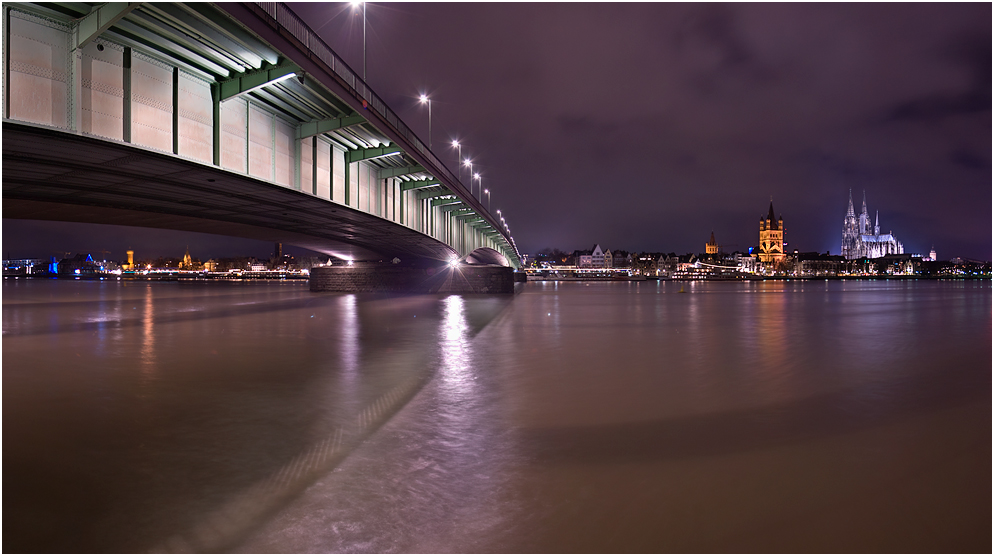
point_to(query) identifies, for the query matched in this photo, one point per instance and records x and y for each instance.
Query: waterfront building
(597, 257)
(666, 265)
(646, 264)
(745, 262)
(23, 267)
(818, 264)
(582, 259)
(619, 259)
(771, 239)
(859, 240)
(80, 265)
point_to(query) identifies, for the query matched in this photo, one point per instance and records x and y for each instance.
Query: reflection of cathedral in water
(857, 239)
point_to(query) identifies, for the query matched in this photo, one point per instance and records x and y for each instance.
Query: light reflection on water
(771, 416)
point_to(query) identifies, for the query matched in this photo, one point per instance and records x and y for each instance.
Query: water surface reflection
(598, 417)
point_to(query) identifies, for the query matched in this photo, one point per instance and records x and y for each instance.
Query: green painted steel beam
(418, 184)
(445, 202)
(232, 28)
(180, 15)
(125, 32)
(441, 192)
(100, 19)
(453, 209)
(355, 155)
(280, 104)
(310, 129)
(160, 26)
(402, 171)
(249, 81)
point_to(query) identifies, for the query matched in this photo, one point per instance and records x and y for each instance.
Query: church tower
(850, 232)
(711, 247)
(770, 238)
(864, 219)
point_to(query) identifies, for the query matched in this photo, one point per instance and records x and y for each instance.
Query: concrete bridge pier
(360, 277)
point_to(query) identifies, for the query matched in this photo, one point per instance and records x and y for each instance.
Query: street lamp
(356, 5)
(468, 162)
(458, 147)
(425, 99)
(487, 193)
(477, 176)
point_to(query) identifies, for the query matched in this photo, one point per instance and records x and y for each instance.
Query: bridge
(227, 118)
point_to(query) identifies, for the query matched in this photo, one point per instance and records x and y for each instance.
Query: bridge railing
(285, 18)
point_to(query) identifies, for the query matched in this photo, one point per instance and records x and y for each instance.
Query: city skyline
(164, 242)
(648, 126)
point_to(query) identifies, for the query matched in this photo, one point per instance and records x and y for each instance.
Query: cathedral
(859, 242)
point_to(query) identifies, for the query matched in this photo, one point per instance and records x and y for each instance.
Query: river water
(571, 417)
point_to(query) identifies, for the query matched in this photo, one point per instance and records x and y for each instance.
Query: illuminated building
(131, 260)
(711, 247)
(187, 263)
(590, 259)
(771, 239)
(858, 242)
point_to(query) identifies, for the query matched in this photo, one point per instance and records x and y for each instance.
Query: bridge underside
(54, 175)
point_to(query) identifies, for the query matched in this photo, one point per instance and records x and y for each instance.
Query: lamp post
(458, 147)
(487, 193)
(468, 162)
(478, 177)
(426, 100)
(356, 5)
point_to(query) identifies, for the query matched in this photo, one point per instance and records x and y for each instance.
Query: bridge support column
(216, 128)
(126, 133)
(391, 278)
(6, 61)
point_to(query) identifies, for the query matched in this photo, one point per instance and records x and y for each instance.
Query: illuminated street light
(477, 176)
(487, 193)
(458, 147)
(354, 6)
(469, 163)
(425, 99)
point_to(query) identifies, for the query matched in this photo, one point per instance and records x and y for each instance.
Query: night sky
(647, 126)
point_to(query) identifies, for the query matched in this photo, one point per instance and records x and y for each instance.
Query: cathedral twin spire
(857, 238)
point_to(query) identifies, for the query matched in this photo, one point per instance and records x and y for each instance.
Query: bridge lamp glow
(458, 147)
(355, 6)
(453, 263)
(425, 100)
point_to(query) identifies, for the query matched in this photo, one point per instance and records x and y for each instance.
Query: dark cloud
(969, 159)
(974, 55)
